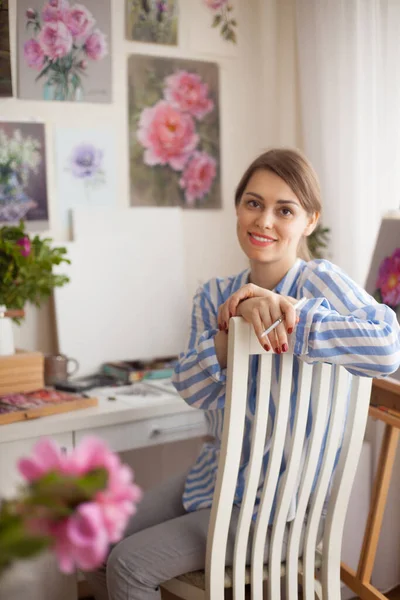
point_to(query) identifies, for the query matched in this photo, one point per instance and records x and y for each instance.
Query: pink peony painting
(64, 50)
(174, 132)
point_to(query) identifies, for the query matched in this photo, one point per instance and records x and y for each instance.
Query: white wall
(210, 239)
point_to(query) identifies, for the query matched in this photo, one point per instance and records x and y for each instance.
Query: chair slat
(344, 476)
(335, 429)
(289, 480)
(236, 390)
(258, 435)
(272, 475)
(319, 408)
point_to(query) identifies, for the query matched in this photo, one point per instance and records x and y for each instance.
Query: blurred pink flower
(55, 10)
(215, 4)
(168, 135)
(81, 540)
(96, 45)
(187, 92)
(198, 176)
(31, 13)
(55, 39)
(46, 457)
(33, 54)
(79, 21)
(388, 281)
(25, 244)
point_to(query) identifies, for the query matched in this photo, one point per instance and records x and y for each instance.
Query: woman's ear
(312, 223)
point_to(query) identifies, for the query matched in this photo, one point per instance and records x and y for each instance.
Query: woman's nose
(265, 220)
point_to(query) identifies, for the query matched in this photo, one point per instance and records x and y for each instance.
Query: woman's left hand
(229, 308)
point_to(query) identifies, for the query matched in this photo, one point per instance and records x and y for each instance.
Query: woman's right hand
(229, 308)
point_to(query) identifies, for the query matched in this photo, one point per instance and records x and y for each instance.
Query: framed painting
(174, 132)
(152, 21)
(64, 50)
(23, 185)
(86, 170)
(383, 280)
(5, 62)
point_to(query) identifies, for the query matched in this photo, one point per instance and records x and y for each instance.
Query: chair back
(313, 476)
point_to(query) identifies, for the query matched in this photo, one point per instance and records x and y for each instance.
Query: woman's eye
(286, 212)
(253, 203)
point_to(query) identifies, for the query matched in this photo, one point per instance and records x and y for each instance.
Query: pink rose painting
(64, 50)
(174, 132)
(223, 18)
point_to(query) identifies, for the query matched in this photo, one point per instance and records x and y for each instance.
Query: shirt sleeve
(342, 324)
(198, 376)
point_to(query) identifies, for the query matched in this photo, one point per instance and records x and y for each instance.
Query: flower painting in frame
(86, 170)
(152, 21)
(5, 63)
(23, 186)
(64, 50)
(174, 132)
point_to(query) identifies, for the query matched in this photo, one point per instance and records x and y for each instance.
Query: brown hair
(297, 172)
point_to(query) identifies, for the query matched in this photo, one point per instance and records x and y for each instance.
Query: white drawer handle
(156, 431)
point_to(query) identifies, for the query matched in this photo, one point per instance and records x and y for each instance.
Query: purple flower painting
(63, 46)
(388, 281)
(174, 133)
(86, 162)
(152, 21)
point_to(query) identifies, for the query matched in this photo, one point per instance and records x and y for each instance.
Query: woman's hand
(229, 308)
(261, 312)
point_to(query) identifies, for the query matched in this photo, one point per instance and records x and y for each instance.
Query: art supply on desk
(130, 371)
(41, 403)
(275, 324)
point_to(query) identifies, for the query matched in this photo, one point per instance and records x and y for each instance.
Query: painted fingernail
(290, 330)
(278, 350)
(224, 325)
(219, 327)
(285, 348)
(230, 315)
(266, 347)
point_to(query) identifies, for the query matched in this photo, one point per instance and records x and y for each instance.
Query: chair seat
(198, 579)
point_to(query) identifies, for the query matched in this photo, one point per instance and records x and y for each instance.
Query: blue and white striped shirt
(339, 324)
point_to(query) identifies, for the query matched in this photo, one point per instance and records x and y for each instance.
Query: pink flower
(31, 13)
(215, 4)
(25, 244)
(55, 10)
(389, 279)
(96, 45)
(34, 54)
(79, 21)
(46, 457)
(168, 136)
(198, 176)
(55, 40)
(188, 93)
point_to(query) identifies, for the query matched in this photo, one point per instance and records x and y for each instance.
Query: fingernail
(224, 325)
(219, 327)
(230, 315)
(266, 347)
(290, 330)
(278, 350)
(284, 348)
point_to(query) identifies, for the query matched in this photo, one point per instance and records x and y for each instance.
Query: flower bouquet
(19, 156)
(26, 267)
(388, 281)
(74, 505)
(64, 39)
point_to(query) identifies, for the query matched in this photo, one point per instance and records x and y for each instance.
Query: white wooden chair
(354, 400)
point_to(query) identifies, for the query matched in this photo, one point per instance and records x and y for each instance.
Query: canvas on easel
(383, 280)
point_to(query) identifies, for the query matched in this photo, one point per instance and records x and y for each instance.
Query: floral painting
(174, 132)
(152, 21)
(223, 19)
(5, 64)
(23, 187)
(86, 170)
(64, 50)
(388, 280)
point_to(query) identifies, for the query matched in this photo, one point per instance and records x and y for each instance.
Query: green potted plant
(26, 275)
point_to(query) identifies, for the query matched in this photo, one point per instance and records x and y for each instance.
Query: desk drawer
(149, 432)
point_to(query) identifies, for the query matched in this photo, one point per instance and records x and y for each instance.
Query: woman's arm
(200, 375)
(343, 324)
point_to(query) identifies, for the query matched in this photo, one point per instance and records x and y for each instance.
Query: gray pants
(161, 541)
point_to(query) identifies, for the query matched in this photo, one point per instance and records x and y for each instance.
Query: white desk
(125, 423)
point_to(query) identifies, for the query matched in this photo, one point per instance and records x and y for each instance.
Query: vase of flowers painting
(19, 156)
(64, 41)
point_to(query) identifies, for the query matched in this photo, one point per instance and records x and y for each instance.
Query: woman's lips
(261, 240)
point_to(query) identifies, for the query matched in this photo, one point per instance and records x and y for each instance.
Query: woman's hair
(297, 172)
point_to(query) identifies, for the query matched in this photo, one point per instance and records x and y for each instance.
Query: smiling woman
(278, 206)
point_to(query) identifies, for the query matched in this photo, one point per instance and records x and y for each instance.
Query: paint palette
(20, 407)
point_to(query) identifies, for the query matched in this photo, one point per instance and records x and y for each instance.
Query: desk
(360, 581)
(125, 424)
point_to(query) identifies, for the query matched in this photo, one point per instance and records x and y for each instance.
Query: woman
(278, 206)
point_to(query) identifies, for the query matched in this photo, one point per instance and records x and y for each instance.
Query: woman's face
(271, 220)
